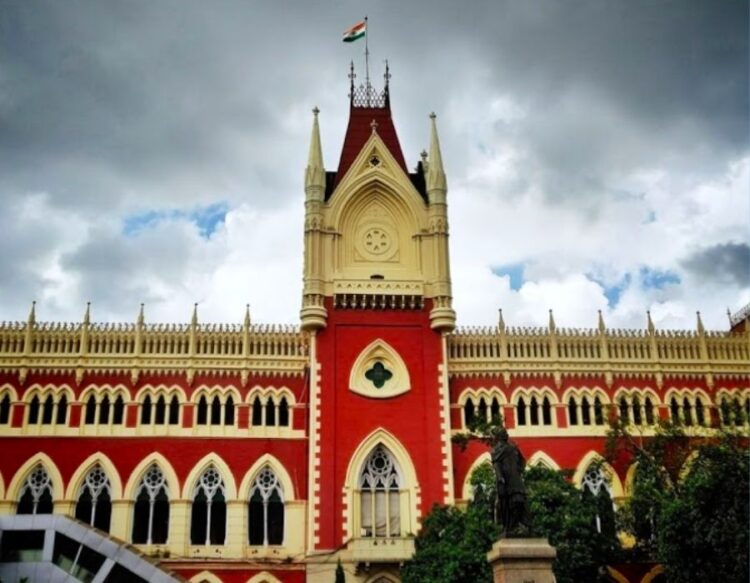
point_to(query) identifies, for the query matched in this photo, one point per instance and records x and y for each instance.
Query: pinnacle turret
(435, 178)
(315, 174)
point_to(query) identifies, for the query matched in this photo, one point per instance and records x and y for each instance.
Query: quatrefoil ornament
(378, 375)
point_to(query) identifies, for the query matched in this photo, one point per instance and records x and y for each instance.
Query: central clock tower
(377, 305)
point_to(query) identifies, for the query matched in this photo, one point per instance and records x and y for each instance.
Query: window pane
(229, 411)
(34, 410)
(202, 411)
(257, 412)
(83, 507)
(283, 413)
(141, 518)
(255, 520)
(103, 512)
(62, 410)
(395, 513)
(5, 409)
(215, 411)
(174, 411)
(90, 417)
(146, 411)
(275, 520)
(572, 412)
(199, 520)
(161, 410)
(218, 519)
(161, 518)
(47, 411)
(104, 410)
(119, 408)
(270, 413)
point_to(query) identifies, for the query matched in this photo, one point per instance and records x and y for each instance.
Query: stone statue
(508, 462)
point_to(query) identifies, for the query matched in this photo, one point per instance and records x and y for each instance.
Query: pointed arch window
(572, 411)
(482, 410)
(61, 415)
(151, 511)
(495, 410)
(469, 412)
(202, 411)
(624, 412)
(674, 410)
(379, 482)
(725, 413)
(36, 493)
(534, 411)
(5, 409)
(160, 410)
(118, 410)
(595, 484)
(47, 410)
(215, 411)
(598, 411)
(687, 411)
(104, 410)
(90, 411)
(283, 413)
(738, 417)
(174, 411)
(546, 411)
(34, 410)
(521, 411)
(208, 521)
(585, 411)
(637, 413)
(257, 413)
(700, 412)
(94, 505)
(229, 411)
(649, 410)
(270, 413)
(146, 411)
(266, 510)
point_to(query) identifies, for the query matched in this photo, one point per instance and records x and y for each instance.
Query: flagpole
(367, 63)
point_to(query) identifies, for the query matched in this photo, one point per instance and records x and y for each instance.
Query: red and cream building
(251, 453)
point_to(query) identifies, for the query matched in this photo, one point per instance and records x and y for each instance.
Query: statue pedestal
(522, 560)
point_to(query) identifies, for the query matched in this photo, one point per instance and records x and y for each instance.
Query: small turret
(602, 327)
(315, 174)
(435, 179)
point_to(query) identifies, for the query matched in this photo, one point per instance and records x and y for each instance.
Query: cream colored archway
(215, 460)
(53, 472)
(540, 458)
(615, 484)
(652, 574)
(277, 467)
(173, 484)
(466, 491)
(264, 577)
(205, 577)
(410, 518)
(98, 458)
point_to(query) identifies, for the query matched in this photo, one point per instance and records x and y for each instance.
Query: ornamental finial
(247, 316)
(87, 314)
(699, 324)
(141, 319)
(32, 313)
(552, 326)
(194, 319)
(650, 322)
(501, 322)
(602, 327)
(374, 126)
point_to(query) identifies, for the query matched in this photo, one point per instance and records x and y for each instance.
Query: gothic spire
(315, 174)
(435, 173)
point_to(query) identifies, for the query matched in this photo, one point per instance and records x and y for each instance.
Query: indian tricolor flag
(355, 32)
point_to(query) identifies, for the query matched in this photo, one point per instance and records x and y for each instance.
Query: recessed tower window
(378, 375)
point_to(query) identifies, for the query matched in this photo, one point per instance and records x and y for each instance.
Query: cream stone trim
(617, 576)
(313, 456)
(205, 577)
(629, 392)
(445, 421)
(466, 490)
(267, 460)
(11, 391)
(14, 488)
(2, 487)
(533, 391)
(410, 489)
(652, 574)
(79, 475)
(579, 392)
(222, 391)
(379, 351)
(263, 577)
(383, 577)
(170, 476)
(540, 458)
(155, 391)
(630, 479)
(270, 392)
(615, 485)
(208, 460)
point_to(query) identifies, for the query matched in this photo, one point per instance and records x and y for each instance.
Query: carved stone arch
(495, 391)
(405, 468)
(676, 393)
(208, 460)
(282, 392)
(205, 577)
(687, 465)
(267, 460)
(10, 390)
(155, 458)
(703, 395)
(574, 392)
(601, 393)
(383, 578)
(545, 391)
(466, 492)
(540, 458)
(2, 487)
(617, 576)
(519, 392)
(466, 394)
(79, 475)
(379, 351)
(630, 479)
(263, 577)
(652, 394)
(254, 391)
(15, 485)
(615, 485)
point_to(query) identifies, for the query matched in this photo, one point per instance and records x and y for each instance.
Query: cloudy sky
(597, 152)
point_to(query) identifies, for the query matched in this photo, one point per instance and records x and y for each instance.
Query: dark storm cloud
(724, 263)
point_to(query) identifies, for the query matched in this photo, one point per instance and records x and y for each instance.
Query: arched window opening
(34, 411)
(283, 413)
(572, 411)
(649, 408)
(674, 410)
(202, 411)
(725, 412)
(151, 511)
(687, 412)
(118, 410)
(94, 505)
(47, 410)
(534, 411)
(482, 410)
(208, 522)
(495, 411)
(469, 413)
(270, 413)
(700, 412)
(36, 493)
(62, 410)
(585, 411)
(747, 410)
(146, 411)
(174, 411)
(161, 410)
(624, 410)
(229, 411)
(380, 502)
(104, 411)
(546, 412)
(266, 510)
(738, 417)
(5, 409)
(257, 412)
(637, 413)
(215, 411)
(90, 413)
(521, 412)
(598, 411)
(595, 484)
